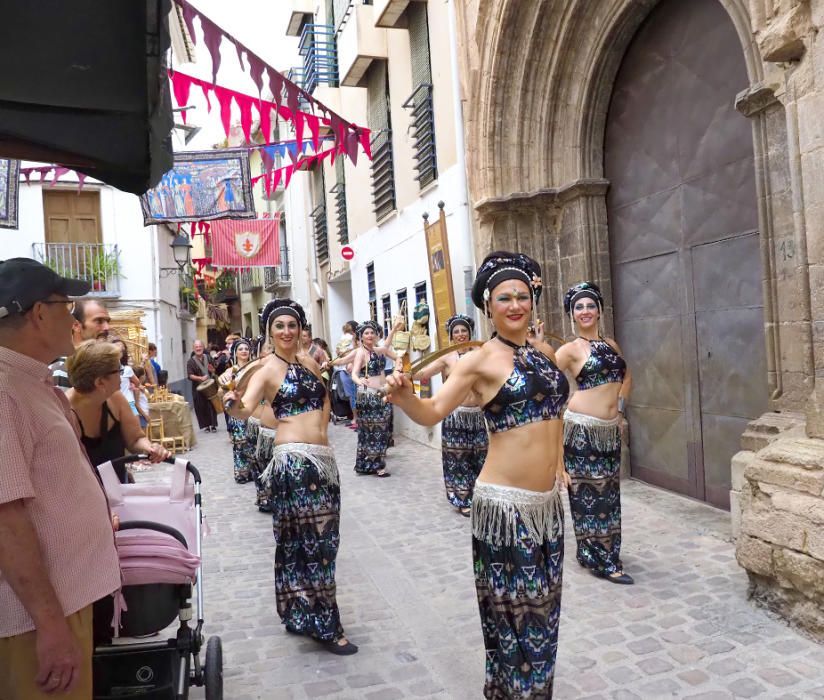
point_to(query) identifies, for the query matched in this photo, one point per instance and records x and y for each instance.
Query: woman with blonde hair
(107, 425)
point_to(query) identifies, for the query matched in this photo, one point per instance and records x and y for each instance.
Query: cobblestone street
(406, 594)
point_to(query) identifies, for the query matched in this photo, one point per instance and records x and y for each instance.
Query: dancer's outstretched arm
(448, 398)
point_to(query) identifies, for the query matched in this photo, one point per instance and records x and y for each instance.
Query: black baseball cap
(24, 282)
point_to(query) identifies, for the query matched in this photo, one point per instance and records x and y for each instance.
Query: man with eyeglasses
(57, 553)
(91, 322)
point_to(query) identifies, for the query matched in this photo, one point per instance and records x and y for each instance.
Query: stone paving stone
(407, 598)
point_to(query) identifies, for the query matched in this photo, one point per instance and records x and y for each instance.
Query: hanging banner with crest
(246, 243)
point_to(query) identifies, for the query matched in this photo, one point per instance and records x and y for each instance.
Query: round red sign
(347, 252)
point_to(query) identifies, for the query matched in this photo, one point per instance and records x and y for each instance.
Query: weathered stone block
(735, 513)
(754, 555)
(802, 452)
(783, 38)
(809, 480)
(799, 571)
(739, 462)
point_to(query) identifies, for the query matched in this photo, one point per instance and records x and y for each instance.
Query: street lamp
(180, 250)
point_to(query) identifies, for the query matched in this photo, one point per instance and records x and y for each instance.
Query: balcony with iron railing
(383, 174)
(251, 279)
(318, 46)
(96, 263)
(296, 75)
(277, 277)
(423, 132)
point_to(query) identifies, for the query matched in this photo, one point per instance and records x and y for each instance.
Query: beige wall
(353, 104)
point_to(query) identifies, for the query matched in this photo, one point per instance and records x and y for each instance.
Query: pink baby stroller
(159, 543)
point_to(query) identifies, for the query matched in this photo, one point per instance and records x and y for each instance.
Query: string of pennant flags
(347, 135)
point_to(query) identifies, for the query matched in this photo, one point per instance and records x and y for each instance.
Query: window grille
(386, 302)
(383, 171)
(420, 103)
(318, 46)
(339, 190)
(321, 233)
(372, 291)
(401, 296)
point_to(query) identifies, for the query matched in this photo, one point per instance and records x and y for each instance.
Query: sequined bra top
(603, 366)
(375, 366)
(535, 391)
(300, 392)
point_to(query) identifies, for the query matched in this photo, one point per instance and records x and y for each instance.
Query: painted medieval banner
(9, 192)
(440, 273)
(244, 243)
(202, 186)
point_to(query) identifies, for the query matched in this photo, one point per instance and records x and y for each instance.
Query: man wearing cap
(57, 552)
(91, 322)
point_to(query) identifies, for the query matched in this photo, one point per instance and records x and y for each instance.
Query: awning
(84, 84)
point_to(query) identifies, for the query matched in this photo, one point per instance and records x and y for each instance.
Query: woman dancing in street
(517, 517)
(303, 479)
(243, 457)
(592, 434)
(464, 439)
(373, 412)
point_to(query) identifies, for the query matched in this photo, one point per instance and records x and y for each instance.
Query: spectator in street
(152, 365)
(57, 553)
(140, 405)
(344, 358)
(108, 427)
(224, 358)
(91, 322)
(128, 380)
(199, 369)
(313, 349)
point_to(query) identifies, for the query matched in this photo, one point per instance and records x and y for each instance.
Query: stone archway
(535, 124)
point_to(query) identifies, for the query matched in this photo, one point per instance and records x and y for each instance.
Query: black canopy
(84, 84)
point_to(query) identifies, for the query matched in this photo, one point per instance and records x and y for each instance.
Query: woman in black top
(107, 425)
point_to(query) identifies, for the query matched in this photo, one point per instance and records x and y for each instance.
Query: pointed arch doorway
(684, 248)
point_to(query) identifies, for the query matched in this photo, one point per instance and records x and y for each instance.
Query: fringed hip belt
(603, 434)
(371, 391)
(252, 428)
(496, 510)
(467, 417)
(265, 442)
(321, 456)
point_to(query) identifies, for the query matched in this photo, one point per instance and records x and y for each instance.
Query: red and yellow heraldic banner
(440, 273)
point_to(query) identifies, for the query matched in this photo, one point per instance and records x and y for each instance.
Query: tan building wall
(537, 79)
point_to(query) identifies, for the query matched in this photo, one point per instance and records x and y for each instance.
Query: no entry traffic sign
(347, 252)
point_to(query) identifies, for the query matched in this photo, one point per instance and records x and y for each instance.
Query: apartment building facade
(390, 65)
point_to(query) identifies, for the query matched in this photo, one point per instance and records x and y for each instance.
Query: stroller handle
(128, 459)
(158, 527)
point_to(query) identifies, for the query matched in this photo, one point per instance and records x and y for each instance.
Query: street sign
(347, 252)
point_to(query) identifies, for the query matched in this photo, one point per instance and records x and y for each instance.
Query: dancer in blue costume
(592, 434)
(517, 517)
(242, 453)
(303, 480)
(464, 439)
(373, 413)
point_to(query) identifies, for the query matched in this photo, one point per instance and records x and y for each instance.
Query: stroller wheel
(213, 671)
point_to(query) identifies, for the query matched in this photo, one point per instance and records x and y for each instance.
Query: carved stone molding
(543, 199)
(755, 99)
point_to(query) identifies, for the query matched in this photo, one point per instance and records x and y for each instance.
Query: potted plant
(105, 266)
